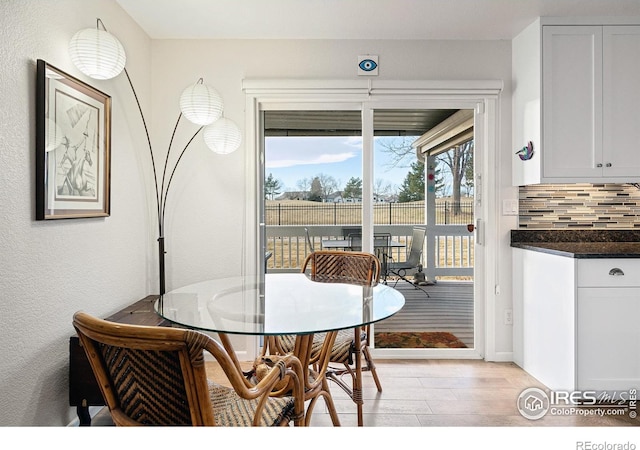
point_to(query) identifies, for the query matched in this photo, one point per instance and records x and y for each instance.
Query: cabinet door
(548, 318)
(572, 99)
(608, 339)
(621, 100)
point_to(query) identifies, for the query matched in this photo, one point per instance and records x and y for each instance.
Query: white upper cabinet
(621, 102)
(576, 96)
(571, 99)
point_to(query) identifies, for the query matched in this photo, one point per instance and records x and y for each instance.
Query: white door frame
(368, 95)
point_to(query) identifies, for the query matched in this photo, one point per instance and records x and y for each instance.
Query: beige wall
(50, 270)
(205, 219)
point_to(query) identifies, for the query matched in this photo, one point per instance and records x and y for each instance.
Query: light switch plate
(509, 207)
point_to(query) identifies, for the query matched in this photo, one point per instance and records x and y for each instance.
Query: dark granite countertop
(580, 243)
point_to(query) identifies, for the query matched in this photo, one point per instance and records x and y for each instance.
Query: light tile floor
(441, 393)
(449, 393)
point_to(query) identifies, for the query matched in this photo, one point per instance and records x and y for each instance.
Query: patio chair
(156, 376)
(400, 269)
(381, 243)
(355, 242)
(308, 244)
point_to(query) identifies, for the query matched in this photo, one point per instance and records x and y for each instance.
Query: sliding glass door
(364, 175)
(423, 201)
(312, 185)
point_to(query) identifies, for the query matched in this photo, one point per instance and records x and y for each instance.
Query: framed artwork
(73, 147)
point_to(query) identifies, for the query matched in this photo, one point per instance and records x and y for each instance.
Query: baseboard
(500, 357)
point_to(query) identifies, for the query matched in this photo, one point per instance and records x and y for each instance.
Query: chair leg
(371, 367)
(328, 400)
(333, 413)
(355, 390)
(357, 380)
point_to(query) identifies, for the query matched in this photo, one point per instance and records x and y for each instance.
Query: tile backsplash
(575, 206)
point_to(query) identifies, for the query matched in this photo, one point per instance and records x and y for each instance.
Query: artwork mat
(73, 137)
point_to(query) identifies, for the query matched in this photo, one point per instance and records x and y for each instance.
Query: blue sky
(290, 159)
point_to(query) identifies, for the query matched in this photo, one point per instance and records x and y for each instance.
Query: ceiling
(408, 122)
(357, 19)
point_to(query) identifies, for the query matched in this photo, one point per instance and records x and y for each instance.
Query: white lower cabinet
(577, 321)
(608, 335)
(544, 317)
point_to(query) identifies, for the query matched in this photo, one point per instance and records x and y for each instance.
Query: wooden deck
(449, 308)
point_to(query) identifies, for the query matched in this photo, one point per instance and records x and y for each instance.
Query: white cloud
(325, 158)
(354, 141)
(297, 151)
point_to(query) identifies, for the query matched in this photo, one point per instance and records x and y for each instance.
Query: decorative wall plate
(526, 153)
(368, 65)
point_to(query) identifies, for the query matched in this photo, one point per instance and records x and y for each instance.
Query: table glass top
(279, 304)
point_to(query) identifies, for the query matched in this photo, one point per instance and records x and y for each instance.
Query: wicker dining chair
(336, 266)
(358, 268)
(156, 376)
(313, 350)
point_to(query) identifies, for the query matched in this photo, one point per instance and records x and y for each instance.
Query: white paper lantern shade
(97, 53)
(201, 104)
(222, 136)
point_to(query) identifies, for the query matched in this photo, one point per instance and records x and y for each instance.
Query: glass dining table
(280, 304)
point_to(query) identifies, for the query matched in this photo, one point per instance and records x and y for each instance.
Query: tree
(353, 189)
(468, 176)
(304, 185)
(412, 188)
(328, 185)
(400, 150)
(456, 160)
(272, 187)
(315, 192)
(459, 162)
(381, 188)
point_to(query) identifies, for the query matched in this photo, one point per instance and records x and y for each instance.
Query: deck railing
(448, 250)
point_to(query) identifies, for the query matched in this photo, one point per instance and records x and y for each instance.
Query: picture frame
(73, 147)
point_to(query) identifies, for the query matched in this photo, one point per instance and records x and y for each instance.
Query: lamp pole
(162, 191)
(100, 55)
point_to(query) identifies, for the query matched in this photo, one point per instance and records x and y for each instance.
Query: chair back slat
(157, 376)
(149, 384)
(148, 375)
(335, 266)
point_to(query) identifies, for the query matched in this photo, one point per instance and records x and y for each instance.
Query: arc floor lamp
(100, 55)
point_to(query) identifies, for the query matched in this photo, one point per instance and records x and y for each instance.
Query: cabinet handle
(599, 165)
(608, 164)
(616, 272)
